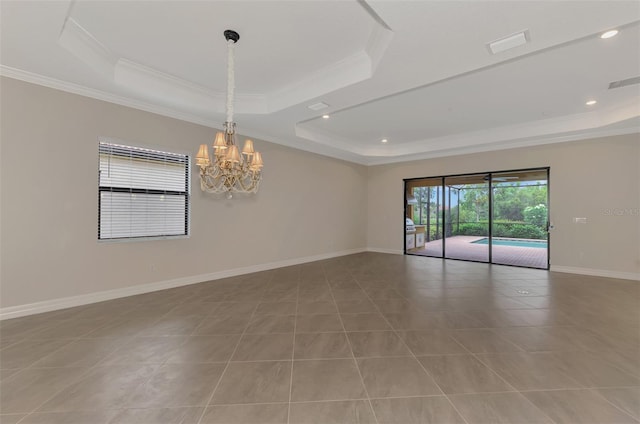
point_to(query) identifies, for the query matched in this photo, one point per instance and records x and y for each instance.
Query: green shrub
(526, 231)
(471, 229)
(536, 215)
(500, 229)
(432, 233)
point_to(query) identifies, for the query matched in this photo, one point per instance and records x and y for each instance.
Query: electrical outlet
(580, 220)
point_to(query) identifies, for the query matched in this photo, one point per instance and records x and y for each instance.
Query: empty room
(351, 212)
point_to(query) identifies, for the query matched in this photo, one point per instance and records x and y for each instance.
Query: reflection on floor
(367, 338)
(461, 247)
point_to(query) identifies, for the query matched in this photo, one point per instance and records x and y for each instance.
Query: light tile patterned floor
(368, 338)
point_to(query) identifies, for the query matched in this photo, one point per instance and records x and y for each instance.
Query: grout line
(413, 355)
(355, 361)
(293, 349)
(213, 392)
(405, 279)
(479, 359)
(73, 381)
(89, 369)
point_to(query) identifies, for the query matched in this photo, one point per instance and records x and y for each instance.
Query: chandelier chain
(231, 82)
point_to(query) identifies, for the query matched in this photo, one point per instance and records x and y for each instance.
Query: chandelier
(229, 171)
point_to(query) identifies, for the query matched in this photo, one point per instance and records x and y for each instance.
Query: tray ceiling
(418, 74)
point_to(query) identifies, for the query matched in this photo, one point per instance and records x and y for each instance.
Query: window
(142, 193)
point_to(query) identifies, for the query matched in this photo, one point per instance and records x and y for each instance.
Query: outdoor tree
(511, 199)
(519, 210)
(536, 215)
(474, 203)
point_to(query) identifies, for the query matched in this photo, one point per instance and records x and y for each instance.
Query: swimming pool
(511, 242)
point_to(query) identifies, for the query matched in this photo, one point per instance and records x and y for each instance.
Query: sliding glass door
(424, 208)
(496, 217)
(520, 218)
(467, 217)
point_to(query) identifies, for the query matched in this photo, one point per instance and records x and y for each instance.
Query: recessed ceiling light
(591, 103)
(384, 140)
(325, 116)
(609, 34)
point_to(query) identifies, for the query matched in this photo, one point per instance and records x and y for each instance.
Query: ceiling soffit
(419, 72)
(158, 86)
(411, 115)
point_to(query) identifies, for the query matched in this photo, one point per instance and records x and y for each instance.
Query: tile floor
(368, 338)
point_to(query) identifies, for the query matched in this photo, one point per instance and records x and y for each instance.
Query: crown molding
(177, 93)
(552, 130)
(511, 144)
(93, 93)
(299, 144)
(331, 140)
(346, 72)
(180, 93)
(377, 44)
(328, 146)
(305, 145)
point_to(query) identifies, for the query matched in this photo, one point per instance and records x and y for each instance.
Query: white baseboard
(596, 272)
(381, 250)
(85, 299)
(556, 268)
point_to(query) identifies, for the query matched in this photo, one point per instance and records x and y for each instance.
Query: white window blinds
(142, 193)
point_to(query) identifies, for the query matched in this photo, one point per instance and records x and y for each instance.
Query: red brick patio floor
(461, 247)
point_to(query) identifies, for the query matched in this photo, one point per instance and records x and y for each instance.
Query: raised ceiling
(416, 73)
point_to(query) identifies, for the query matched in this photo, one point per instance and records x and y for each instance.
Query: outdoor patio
(461, 247)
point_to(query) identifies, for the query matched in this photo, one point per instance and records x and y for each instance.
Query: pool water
(515, 243)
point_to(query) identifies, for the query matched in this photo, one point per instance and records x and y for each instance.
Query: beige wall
(308, 204)
(598, 179)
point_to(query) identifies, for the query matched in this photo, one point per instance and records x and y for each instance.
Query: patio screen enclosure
(499, 217)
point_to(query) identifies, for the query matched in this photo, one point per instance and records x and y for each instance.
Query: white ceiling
(417, 73)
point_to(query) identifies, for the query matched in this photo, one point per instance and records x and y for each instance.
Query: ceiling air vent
(318, 106)
(624, 83)
(510, 42)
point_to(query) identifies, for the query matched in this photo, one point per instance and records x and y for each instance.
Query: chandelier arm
(230, 79)
(249, 183)
(217, 180)
(208, 182)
